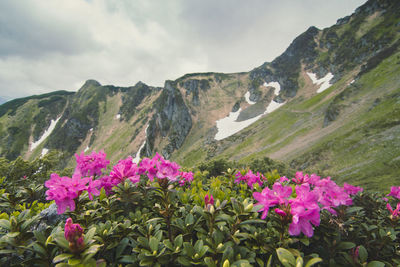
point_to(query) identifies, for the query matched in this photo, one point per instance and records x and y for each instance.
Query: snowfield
(229, 126)
(46, 134)
(324, 82)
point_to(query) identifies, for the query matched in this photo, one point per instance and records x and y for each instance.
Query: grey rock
(50, 217)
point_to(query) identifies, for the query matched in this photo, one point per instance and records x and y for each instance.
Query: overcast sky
(58, 44)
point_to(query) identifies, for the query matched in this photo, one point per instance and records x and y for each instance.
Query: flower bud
(226, 263)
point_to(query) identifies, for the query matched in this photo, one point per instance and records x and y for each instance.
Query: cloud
(57, 45)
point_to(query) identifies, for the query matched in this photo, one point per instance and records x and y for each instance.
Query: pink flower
(108, 183)
(299, 178)
(280, 212)
(63, 190)
(92, 164)
(283, 179)
(147, 166)
(394, 192)
(282, 193)
(351, 189)
(186, 177)
(74, 235)
(250, 178)
(167, 169)
(208, 200)
(305, 211)
(125, 169)
(394, 213)
(266, 199)
(330, 195)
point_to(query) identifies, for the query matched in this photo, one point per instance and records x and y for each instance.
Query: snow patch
(276, 85)
(44, 152)
(46, 133)
(247, 97)
(273, 106)
(118, 116)
(137, 157)
(324, 82)
(228, 126)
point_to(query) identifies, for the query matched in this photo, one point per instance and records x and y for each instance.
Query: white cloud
(57, 45)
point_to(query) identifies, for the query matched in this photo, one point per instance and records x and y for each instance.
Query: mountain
(329, 103)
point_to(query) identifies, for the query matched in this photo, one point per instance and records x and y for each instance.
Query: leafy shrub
(155, 214)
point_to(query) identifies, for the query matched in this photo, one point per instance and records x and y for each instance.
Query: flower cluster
(65, 190)
(90, 165)
(74, 235)
(312, 195)
(395, 193)
(250, 178)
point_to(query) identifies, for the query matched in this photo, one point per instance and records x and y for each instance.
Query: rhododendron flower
(147, 166)
(108, 183)
(280, 212)
(167, 169)
(282, 193)
(208, 200)
(299, 178)
(267, 199)
(125, 169)
(250, 178)
(394, 192)
(92, 164)
(330, 195)
(74, 235)
(394, 213)
(186, 177)
(283, 179)
(351, 189)
(305, 210)
(63, 190)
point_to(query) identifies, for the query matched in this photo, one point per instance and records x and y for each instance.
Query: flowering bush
(154, 213)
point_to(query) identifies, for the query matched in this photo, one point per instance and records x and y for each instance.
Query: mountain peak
(90, 83)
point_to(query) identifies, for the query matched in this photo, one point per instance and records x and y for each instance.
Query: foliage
(156, 215)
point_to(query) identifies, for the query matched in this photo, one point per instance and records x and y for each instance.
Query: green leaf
(362, 253)
(178, 241)
(184, 261)
(285, 257)
(241, 263)
(74, 261)
(269, 263)
(61, 241)
(188, 249)
(121, 247)
(375, 264)
(89, 235)
(209, 261)
(299, 262)
(13, 234)
(5, 224)
(353, 209)
(189, 219)
(346, 245)
(198, 245)
(153, 243)
(62, 257)
(253, 221)
(7, 251)
(92, 250)
(313, 261)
